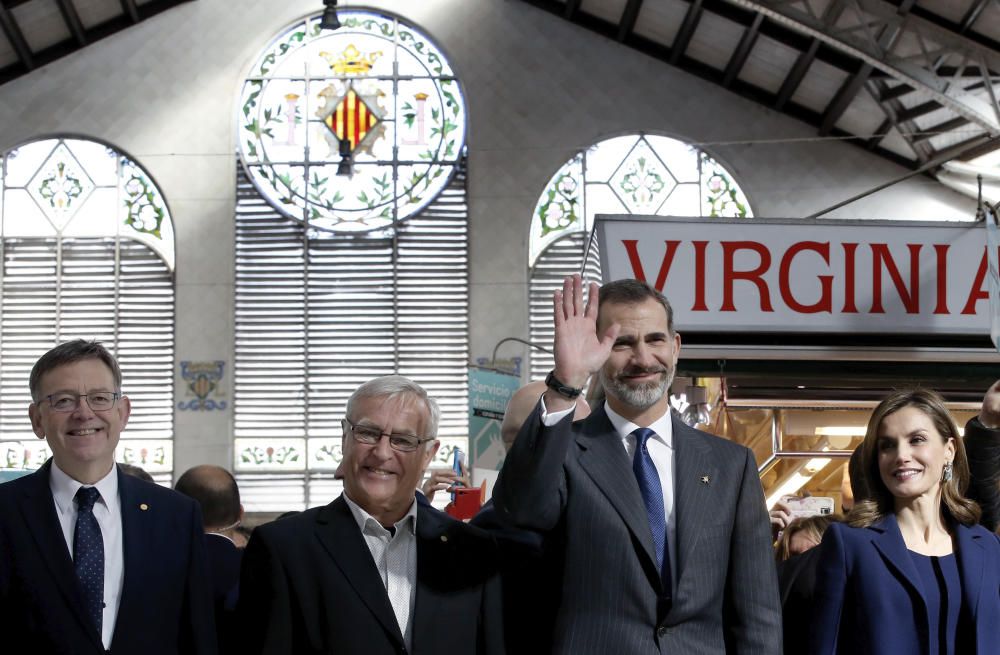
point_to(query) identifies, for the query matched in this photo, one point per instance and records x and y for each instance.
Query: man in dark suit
(217, 494)
(666, 544)
(982, 444)
(92, 560)
(374, 571)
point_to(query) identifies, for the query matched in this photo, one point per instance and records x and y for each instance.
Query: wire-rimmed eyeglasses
(99, 401)
(404, 443)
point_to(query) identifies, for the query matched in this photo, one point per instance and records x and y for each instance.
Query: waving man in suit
(664, 529)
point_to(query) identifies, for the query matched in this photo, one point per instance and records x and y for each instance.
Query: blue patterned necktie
(88, 555)
(652, 498)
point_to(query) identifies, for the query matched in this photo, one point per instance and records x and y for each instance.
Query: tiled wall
(538, 89)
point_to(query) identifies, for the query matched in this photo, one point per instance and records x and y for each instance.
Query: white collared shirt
(661, 451)
(108, 512)
(395, 557)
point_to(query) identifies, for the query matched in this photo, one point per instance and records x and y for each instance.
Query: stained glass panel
(632, 174)
(354, 129)
(76, 187)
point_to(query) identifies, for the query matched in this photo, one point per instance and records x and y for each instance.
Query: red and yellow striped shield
(351, 119)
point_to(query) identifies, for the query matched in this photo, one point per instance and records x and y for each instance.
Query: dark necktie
(652, 498)
(88, 555)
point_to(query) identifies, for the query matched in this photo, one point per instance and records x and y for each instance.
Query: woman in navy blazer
(910, 572)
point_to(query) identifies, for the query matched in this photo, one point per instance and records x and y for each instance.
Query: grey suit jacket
(576, 479)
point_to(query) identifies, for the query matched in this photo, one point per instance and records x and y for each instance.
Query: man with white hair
(374, 571)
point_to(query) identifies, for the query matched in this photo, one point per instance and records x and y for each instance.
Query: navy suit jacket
(309, 585)
(166, 603)
(574, 482)
(870, 598)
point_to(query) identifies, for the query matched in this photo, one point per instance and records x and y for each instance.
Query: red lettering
(911, 296)
(825, 302)
(849, 306)
(941, 250)
(668, 260)
(699, 276)
(729, 249)
(977, 292)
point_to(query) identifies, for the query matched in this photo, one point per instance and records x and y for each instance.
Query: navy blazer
(309, 585)
(166, 602)
(870, 597)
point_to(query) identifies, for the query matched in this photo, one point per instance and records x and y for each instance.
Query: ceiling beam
(130, 8)
(796, 75)
(919, 110)
(742, 51)
(897, 91)
(850, 88)
(13, 33)
(972, 15)
(73, 22)
(629, 15)
(843, 99)
(686, 31)
(929, 133)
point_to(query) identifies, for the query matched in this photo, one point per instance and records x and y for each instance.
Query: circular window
(353, 129)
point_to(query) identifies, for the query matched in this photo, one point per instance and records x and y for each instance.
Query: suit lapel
(692, 497)
(606, 462)
(887, 538)
(39, 513)
(432, 548)
(338, 532)
(971, 560)
(138, 542)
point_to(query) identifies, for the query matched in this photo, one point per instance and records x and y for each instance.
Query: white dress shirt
(395, 557)
(661, 451)
(108, 512)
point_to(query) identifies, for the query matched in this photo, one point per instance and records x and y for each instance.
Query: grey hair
(393, 386)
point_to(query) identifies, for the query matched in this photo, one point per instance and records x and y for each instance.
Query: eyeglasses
(404, 443)
(98, 401)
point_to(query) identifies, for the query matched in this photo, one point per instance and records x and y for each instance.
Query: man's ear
(124, 410)
(430, 453)
(35, 414)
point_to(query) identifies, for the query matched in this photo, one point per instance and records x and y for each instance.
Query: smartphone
(800, 507)
(457, 460)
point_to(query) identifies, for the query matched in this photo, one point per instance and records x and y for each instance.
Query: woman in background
(910, 571)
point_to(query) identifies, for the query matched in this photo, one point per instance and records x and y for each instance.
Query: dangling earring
(947, 475)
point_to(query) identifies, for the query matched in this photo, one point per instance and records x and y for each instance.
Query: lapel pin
(143, 506)
(705, 479)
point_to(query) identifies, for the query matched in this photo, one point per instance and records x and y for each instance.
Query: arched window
(351, 244)
(87, 251)
(633, 174)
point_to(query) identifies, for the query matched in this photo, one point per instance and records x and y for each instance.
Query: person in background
(136, 472)
(92, 560)
(216, 491)
(911, 571)
(982, 442)
(801, 535)
(530, 564)
(374, 572)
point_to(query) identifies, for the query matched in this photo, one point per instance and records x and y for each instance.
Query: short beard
(642, 396)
